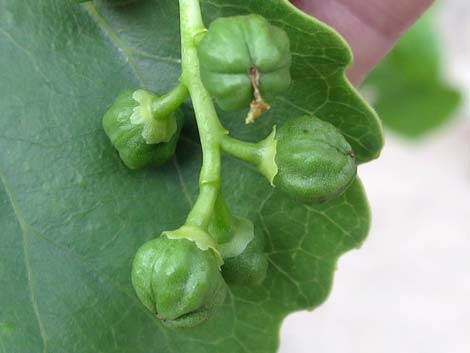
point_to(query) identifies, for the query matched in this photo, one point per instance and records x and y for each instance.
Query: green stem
(168, 103)
(246, 151)
(210, 129)
(261, 154)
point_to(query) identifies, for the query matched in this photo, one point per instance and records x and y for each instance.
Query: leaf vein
(182, 182)
(128, 52)
(25, 240)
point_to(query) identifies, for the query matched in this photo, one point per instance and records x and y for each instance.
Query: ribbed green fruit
(141, 140)
(315, 162)
(178, 281)
(231, 47)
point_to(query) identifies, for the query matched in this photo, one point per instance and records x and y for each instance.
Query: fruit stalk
(211, 130)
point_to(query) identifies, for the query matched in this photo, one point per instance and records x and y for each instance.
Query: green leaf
(408, 88)
(72, 216)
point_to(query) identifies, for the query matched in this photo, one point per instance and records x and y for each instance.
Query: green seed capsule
(232, 48)
(241, 246)
(250, 267)
(315, 162)
(178, 281)
(140, 139)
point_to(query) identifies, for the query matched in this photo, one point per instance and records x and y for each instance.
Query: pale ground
(408, 289)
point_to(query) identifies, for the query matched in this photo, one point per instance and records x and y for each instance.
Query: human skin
(371, 27)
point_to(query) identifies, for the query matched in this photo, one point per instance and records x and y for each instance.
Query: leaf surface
(72, 216)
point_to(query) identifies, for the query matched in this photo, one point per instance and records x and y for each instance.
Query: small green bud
(249, 267)
(178, 281)
(140, 138)
(245, 261)
(231, 233)
(241, 55)
(315, 162)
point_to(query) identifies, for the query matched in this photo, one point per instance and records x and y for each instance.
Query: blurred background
(408, 288)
